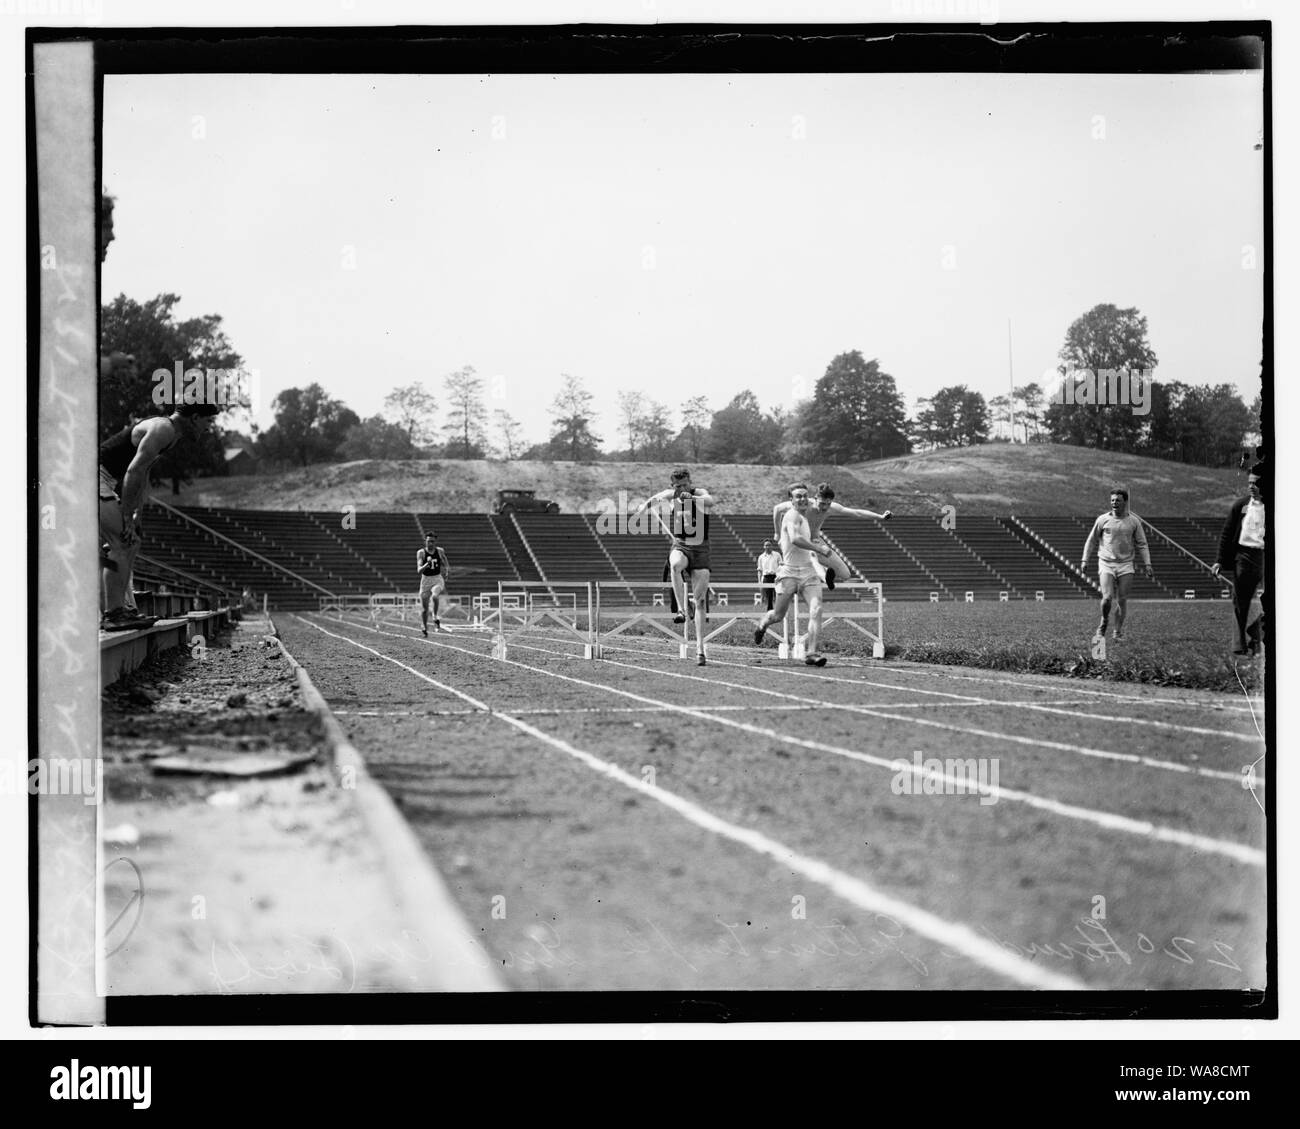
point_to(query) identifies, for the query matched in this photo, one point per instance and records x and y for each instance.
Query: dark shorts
(697, 556)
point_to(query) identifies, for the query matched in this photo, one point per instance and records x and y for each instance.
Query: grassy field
(1166, 644)
(996, 478)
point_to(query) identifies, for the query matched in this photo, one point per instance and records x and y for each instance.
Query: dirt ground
(216, 884)
(572, 879)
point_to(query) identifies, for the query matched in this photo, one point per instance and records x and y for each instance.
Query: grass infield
(1165, 644)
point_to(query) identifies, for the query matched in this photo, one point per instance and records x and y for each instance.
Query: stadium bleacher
(295, 557)
(955, 565)
(1025, 571)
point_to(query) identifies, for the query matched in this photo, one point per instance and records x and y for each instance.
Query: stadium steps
(1178, 566)
(638, 549)
(565, 549)
(872, 551)
(515, 548)
(367, 532)
(249, 529)
(1209, 527)
(174, 540)
(944, 555)
(608, 556)
(1025, 572)
(1052, 574)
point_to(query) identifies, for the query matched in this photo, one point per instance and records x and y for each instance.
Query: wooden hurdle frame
(791, 641)
(529, 614)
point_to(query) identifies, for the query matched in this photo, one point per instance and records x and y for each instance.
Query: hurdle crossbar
(532, 611)
(790, 638)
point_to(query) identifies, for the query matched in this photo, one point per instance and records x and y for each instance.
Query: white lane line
(919, 670)
(953, 936)
(970, 700)
(1134, 699)
(1107, 820)
(966, 730)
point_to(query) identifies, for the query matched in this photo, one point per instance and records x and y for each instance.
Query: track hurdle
(561, 604)
(612, 603)
(797, 649)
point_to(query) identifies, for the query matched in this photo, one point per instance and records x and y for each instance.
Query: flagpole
(1011, 376)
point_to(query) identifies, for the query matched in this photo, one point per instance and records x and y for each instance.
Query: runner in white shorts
(1116, 533)
(798, 573)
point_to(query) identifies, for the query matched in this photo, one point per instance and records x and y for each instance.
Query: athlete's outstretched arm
(836, 508)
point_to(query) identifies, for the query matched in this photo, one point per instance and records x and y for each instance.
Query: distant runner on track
(822, 507)
(687, 523)
(1116, 533)
(431, 564)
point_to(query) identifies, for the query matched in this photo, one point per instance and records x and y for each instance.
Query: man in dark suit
(1241, 559)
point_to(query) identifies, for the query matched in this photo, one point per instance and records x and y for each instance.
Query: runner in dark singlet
(687, 523)
(431, 564)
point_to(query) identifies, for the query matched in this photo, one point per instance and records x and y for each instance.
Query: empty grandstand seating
(173, 540)
(1171, 540)
(565, 547)
(1024, 570)
(957, 568)
(295, 557)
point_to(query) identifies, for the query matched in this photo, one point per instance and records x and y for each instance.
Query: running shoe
(701, 661)
(679, 618)
(438, 627)
(1119, 633)
(123, 619)
(814, 660)
(759, 632)
(425, 632)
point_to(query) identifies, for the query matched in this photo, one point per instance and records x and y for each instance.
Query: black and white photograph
(652, 523)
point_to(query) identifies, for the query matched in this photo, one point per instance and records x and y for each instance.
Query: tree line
(855, 412)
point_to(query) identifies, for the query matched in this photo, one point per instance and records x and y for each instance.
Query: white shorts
(432, 585)
(1114, 568)
(803, 581)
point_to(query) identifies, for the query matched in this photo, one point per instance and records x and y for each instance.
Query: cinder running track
(642, 823)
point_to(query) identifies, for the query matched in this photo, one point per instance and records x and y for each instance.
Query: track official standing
(1241, 559)
(768, 562)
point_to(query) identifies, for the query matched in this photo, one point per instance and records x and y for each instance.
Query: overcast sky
(687, 234)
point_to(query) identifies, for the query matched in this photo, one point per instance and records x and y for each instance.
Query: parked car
(524, 502)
